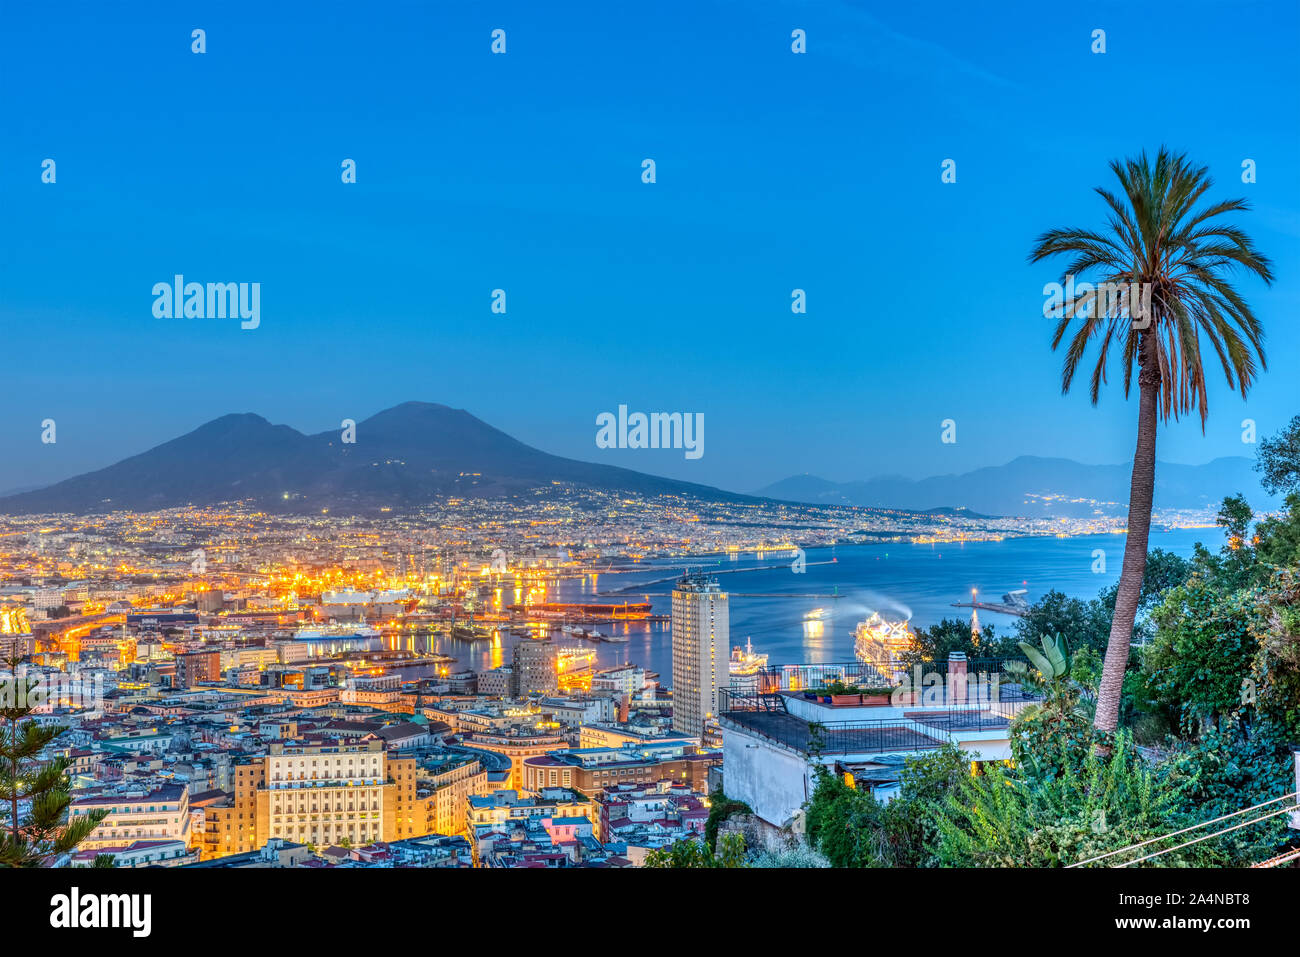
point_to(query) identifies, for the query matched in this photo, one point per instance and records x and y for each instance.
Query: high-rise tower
(701, 662)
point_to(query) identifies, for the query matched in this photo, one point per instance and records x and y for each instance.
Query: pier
(1019, 611)
(738, 594)
(712, 571)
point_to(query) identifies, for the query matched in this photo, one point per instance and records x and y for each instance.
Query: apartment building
(444, 793)
(316, 794)
(701, 656)
(159, 814)
(592, 770)
(518, 748)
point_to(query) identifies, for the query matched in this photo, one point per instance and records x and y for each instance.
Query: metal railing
(915, 729)
(838, 737)
(1003, 708)
(733, 699)
(917, 676)
(843, 737)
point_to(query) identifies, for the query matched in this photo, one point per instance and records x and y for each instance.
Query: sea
(808, 616)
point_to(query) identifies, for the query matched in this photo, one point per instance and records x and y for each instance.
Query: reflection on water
(810, 617)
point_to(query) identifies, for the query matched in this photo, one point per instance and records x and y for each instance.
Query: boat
(745, 662)
(569, 660)
(327, 640)
(471, 633)
(334, 632)
(817, 614)
(614, 638)
(880, 643)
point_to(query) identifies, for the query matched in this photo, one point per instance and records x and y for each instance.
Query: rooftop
(836, 736)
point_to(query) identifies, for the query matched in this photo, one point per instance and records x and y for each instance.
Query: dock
(1017, 610)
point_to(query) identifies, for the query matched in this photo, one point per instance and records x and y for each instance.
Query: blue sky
(523, 172)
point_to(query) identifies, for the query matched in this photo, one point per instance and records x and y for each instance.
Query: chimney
(957, 678)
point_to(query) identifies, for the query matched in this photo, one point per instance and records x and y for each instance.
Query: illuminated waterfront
(895, 579)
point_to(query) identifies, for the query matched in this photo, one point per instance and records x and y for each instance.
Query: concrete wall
(988, 745)
(770, 779)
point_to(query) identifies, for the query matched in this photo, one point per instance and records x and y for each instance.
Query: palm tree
(1181, 258)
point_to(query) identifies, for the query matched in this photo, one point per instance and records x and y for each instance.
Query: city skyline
(574, 438)
(478, 172)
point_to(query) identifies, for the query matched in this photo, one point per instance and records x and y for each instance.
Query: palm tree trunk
(1135, 549)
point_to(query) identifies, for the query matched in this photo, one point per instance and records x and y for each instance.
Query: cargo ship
(471, 632)
(585, 611)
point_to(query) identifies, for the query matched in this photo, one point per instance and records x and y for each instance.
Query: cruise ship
(327, 640)
(880, 643)
(327, 632)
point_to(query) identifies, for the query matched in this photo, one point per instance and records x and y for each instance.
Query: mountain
(408, 455)
(418, 452)
(1034, 487)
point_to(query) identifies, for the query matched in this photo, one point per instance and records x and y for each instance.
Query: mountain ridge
(407, 455)
(1033, 486)
(416, 453)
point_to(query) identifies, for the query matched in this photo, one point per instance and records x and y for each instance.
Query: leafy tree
(1274, 683)
(938, 641)
(1085, 670)
(1236, 564)
(1183, 255)
(689, 852)
(1278, 459)
(1277, 538)
(1164, 570)
(853, 829)
(34, 793)
(1223, 770)
(1201, 655)
(842, 822)
(1083, 624)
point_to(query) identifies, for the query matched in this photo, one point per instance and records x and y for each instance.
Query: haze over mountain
(405, 456)
(1033, 486)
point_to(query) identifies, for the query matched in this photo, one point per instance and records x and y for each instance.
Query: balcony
(930, 683)
(955, 706)
(835, 737)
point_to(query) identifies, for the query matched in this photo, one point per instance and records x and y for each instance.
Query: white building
(162, 814)
(701, 638)
(772, 743)
(627, 680)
